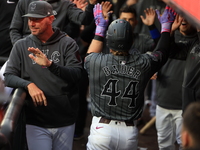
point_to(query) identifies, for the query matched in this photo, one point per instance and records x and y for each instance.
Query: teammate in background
(64, 10)
(38, 63)
(7, 8)
(190, 133)
(141, 28)
(191, 82)
(73, 29)
(140, 6)
(117, 81)
(141, 42)
(169, 86)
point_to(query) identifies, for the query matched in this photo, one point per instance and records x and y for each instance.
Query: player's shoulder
(95, 56)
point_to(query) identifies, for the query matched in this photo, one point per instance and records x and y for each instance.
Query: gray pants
(39, 138)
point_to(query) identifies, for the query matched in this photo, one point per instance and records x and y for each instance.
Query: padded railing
(10, 119)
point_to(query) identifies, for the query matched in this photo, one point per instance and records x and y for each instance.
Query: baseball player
(117, 81)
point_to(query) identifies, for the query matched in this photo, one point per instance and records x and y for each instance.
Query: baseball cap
(39, 9)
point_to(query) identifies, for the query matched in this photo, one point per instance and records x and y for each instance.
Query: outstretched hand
(100, 21)
(81, 4)
(150, 16)
(177, 22)
(166, 19)
(106, 6)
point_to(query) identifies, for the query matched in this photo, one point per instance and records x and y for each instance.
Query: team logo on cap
(33, 6)
(54, 12)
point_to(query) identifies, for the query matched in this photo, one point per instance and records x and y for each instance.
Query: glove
(166, 19)
(101, 23)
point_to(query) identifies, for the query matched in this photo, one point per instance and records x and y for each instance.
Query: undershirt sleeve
(15, 81)
(69, 74)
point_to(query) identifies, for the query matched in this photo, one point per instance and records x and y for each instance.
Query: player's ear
(51, 18)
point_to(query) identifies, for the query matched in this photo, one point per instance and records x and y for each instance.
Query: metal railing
(10, 119)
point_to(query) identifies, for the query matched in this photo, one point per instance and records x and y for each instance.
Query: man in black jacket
(191, 90)
(169, 86)
(46, 64)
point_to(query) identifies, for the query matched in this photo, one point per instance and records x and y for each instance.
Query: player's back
(117, 84)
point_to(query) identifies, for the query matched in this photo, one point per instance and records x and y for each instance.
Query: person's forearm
(155, 34)
(96, 45)
(162, 49)
(15, 81)
(70, 74)
(88, 15)
(164, 43)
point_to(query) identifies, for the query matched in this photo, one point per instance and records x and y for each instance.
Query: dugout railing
(12, 129)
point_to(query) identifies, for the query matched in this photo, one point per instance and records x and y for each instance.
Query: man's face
(186, 28)
(130, 18)
(39, 26)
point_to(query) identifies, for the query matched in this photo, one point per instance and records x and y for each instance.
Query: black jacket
(7, 8)
(191, 83)
(170, 77)
(58, 82)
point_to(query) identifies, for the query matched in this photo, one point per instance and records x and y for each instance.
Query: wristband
(166, 27)
(155, 33)
(99, 38)
(100, 31)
